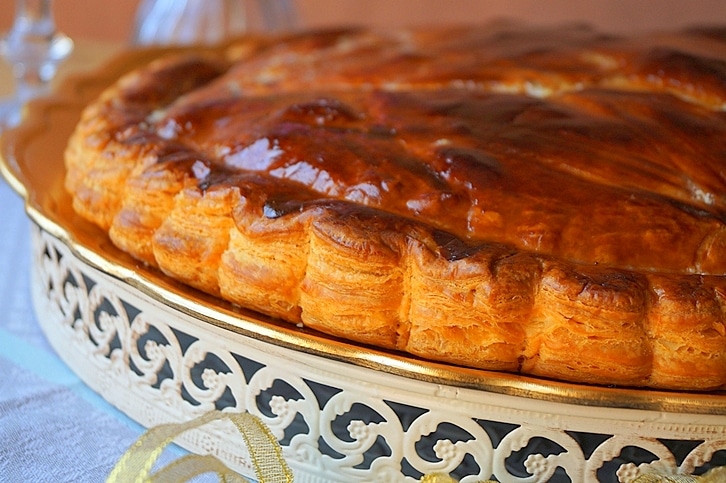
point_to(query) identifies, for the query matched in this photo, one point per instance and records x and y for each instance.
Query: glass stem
(34, 48)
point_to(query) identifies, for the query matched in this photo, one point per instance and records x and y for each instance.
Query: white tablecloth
(52, 427)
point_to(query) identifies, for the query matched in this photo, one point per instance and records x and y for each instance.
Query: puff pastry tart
(544, 201)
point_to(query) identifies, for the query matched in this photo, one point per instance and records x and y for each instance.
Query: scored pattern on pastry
(544, 201)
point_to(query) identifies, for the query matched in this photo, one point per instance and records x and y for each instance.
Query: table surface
(52, 426)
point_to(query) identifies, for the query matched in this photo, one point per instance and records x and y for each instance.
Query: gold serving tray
(32, 163)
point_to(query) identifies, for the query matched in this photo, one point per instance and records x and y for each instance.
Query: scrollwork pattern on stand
(330, 426)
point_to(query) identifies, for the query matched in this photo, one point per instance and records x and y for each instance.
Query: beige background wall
(112, 20)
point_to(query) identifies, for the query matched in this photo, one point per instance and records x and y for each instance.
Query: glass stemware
(34, 48)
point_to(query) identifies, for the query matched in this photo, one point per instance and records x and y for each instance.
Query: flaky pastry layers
(543, 201)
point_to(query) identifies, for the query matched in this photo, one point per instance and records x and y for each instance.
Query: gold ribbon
(442, 478)
(714, 475)
(265, 452)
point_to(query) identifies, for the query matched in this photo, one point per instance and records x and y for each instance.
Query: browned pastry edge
(377, 278)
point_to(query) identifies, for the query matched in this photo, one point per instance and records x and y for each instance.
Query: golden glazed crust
(550, 202)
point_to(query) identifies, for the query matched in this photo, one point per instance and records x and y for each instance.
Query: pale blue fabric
(52, 426)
